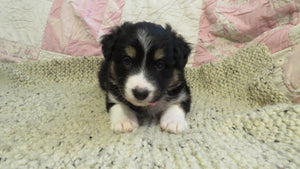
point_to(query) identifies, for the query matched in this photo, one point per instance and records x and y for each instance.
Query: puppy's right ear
(109, 40)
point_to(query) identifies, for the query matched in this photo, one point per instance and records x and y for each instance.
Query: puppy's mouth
(142, 103)
(153, 103)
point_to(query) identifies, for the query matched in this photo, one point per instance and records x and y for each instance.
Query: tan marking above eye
(175, 78)
(130, 51)
(159, 53)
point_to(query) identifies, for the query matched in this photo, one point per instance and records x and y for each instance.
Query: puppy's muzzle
(140, 93)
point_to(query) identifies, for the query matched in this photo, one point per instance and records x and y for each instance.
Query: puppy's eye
(160, 65)
(127, 61)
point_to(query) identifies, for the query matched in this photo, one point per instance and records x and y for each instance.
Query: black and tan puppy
(143, 72)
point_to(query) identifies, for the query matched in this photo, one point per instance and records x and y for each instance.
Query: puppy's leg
(173, 119)
(122, 118)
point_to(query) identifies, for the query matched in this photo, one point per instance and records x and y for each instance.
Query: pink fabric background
(74, 27)
(226, 27)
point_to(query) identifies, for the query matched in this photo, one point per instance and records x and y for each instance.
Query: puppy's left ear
(181, 48)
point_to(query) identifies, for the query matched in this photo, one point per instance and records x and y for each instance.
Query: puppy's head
(144, 59)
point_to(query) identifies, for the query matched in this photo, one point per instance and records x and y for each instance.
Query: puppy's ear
(109, 40)
(181, 48)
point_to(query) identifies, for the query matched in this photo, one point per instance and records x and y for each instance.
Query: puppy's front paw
(125, 125)
(123, 119)
(173, 125)
(173, 120)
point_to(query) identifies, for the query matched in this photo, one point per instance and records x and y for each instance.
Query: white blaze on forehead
(145, 39)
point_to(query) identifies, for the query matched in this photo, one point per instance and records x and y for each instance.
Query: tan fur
(130, 51)
(175, 78)
(158, 54)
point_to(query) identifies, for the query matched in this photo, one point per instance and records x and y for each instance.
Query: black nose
(140, 93)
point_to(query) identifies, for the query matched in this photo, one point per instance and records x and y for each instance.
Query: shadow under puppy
(143, 73)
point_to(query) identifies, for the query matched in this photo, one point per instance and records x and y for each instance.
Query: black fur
(176, 50)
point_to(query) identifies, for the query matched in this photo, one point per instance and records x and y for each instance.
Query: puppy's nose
(140, 93)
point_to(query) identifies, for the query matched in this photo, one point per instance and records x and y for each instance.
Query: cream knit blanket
(52, 115)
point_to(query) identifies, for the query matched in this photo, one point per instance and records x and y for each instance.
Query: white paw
(123, 119)
(173, 120)
(173, 125)
(124, 126)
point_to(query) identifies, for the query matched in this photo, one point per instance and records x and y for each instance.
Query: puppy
(143, 73)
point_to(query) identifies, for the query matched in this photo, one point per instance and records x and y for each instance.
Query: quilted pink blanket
(216, 28)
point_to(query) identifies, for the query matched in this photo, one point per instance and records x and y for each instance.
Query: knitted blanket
(52, 115)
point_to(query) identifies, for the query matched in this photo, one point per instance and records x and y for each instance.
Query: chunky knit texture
(52, 115)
